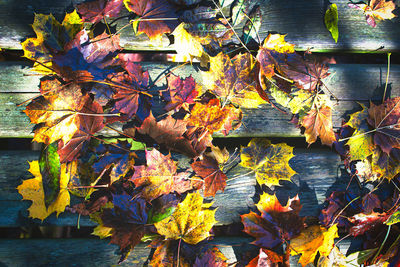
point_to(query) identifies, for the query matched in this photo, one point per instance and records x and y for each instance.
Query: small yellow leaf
(32, 189)
(313, 239)
(191, 221)
(269, 162)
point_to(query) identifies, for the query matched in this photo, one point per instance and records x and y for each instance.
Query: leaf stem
(383, 243)
(387, 78)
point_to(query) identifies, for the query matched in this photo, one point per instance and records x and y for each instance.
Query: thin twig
(387, 78)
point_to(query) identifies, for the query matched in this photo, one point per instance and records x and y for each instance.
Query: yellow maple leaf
(57, 112)
(269, 162)
(211, 116)
(50, 34)
(32, 190)
(188, 46)
(233, 79)
(191, 221)
(312, 240)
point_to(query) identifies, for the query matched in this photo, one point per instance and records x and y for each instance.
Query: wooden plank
(96, 252)
(318, 173)
(93, 252)
(302, 21)
(348, 82)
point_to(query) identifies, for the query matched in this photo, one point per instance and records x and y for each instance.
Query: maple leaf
(360, 143)
(32, 190)
(90, 54)
(214, 178)
(130, 87)
(233, 79)
(165, 255)
(384, 119)
(269, 162)
(95, 11)
(118, 160)
(365, 222)
(90, 122)
(57, 113)
(336, 203)
(275, 224)
(180, 92)
(211, 258)
(265, 258)
(312, 240)
(189, 47)
(318, 122)
(376, 10)
(169, 133)
(127, 219)
(156, 17)
(370, 202)
(384, 165)
(209, 116)
(51, 37)
(191, 221)
(158, 177)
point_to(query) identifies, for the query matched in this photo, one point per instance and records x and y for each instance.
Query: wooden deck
(319, 170)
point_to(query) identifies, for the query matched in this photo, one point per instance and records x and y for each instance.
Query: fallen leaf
(214, 178)
(95, 11)
(180, 92)
(266, 258)
(318, 122)
(50, 169)
(276, 223)
(376, 10)
(32, 190)
(158, 177)
(57, 113)
(384, 119)
(191, 221)
(269, 162)
(211, 258)
(365, 222)
(127, 219)
(90, 122)
(360, 143)
(210, 116)
(331, 21)
(312, 240)
(156, 17)
(233, 80)
(51, 37)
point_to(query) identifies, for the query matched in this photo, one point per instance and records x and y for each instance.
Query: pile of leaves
(137, 188)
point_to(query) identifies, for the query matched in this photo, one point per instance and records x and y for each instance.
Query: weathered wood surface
(318, 173)
(348, 82)
(302, 21)
(94, 252)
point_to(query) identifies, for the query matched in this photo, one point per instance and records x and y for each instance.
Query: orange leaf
(318, 122)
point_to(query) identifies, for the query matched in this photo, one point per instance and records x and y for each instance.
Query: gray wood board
(96, 252)
(302, 21)
(318, 174)
(93, 252)
(348, 82)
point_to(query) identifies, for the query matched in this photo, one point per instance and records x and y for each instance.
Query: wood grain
(302, 21)
(318, 173)
(350, 83)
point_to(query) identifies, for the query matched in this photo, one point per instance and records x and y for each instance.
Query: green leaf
(331, 21)
(360, 257)
(50, 169)
(156, 217)
(395, 218)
